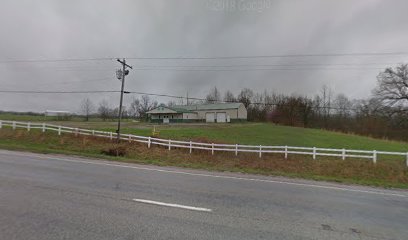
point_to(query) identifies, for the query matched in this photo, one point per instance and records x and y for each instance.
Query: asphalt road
(59, 197)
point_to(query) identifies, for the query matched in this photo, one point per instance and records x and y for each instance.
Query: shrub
(118, 151)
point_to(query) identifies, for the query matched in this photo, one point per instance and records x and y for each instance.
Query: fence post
(286, 152)
(59, 130)
(407, 160)
(343, 154)
(191, 147)
(374, 156)
(43, 127)
(314, 152)
(130, 138)
(149, 140)
(1, 124)
(111, 135)
(236, 149)
(212, 148)
(14, 125)
(28, 126)
(169, 144)
(93, 132)
(260, 151)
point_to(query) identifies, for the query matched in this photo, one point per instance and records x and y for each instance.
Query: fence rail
(213, 147)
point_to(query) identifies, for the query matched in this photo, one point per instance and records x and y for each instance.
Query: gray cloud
(160, 28)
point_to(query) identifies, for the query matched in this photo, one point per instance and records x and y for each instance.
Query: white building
(219, 113)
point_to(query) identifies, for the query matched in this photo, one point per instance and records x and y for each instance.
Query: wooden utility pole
(187, 99)
(121, 76)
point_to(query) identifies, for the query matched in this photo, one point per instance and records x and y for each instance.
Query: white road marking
(172, 205)
(385, 193)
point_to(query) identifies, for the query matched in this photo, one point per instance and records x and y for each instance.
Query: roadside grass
(386, 173)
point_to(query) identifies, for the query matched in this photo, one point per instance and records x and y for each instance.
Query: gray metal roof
(215, 106)
(195, 107)
(164, 110)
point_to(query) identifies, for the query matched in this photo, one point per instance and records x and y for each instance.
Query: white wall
(190, 116)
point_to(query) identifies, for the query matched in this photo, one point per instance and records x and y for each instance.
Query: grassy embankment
(389, 172)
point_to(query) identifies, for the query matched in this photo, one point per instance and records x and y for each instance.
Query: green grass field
(252, 134)
(270, 134)
(242, 133)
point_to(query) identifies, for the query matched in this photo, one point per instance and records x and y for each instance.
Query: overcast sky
(51, 29)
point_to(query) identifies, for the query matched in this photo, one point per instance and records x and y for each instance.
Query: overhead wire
(274, 56)
(157, 95)
(56, 92)
(56, 60)
(237, 67)
(401, 53)
(249, 69)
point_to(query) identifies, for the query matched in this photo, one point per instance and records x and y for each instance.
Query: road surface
(59, 197)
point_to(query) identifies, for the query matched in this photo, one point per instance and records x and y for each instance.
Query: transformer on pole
(120, 74)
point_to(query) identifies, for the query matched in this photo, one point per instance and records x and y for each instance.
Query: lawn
(270, 134)
(240, 133)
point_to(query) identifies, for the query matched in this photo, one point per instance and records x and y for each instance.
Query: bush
(118, 151)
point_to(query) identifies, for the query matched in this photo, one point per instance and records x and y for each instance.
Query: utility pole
(120, 74)
(187, 99)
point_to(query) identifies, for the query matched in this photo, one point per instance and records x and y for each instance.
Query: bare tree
(146, 104)
(104, 110)
(139, 107)
(245, 96)
(326, 103)
(326, 99)
(213, 96)
(229, 97)
(171, 103)
(342, 105)
(134, 108)
(392, 89)
(87, 107)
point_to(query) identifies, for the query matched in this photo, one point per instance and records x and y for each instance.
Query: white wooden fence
(236, 148)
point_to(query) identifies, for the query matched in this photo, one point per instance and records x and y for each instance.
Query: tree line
(382, 115)
(137, 109)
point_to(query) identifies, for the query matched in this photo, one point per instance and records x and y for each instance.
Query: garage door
(210, 117)
(221, 117)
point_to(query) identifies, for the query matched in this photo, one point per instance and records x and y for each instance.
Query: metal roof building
(212, 113)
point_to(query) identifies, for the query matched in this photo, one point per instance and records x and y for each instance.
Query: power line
(55, 92)
(252, 103)
(56, 60)
(158, 95)
(275, 56)
(264, 65)
(76, 81)
(44, 60)
(83, 81)
(250, 69)
(239, 67)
